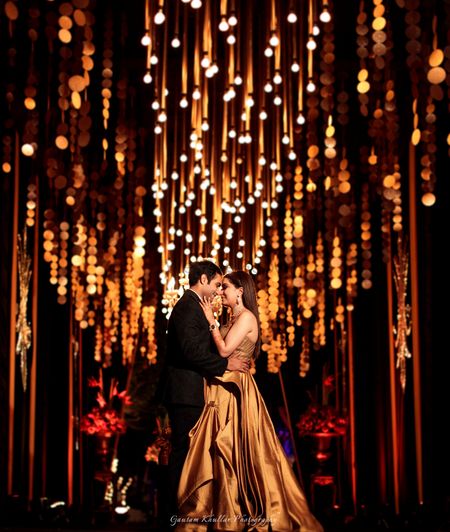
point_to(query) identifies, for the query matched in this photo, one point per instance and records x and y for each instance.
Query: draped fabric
(236, 475)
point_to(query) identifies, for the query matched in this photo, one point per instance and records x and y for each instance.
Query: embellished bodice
(245, 348)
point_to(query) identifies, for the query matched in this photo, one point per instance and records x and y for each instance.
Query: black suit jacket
(191, 354)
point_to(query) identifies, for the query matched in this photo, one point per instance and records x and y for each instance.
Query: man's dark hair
(197, 269)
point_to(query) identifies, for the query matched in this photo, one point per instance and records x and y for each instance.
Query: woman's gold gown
(236, 475)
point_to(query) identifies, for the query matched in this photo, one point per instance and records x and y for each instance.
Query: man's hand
(237, 364)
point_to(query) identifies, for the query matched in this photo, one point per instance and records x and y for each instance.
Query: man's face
(213, 288)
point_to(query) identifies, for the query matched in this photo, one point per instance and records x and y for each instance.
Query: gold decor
(23, 327)
(402, 329)
(195, 129)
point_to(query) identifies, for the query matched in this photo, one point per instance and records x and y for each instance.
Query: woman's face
(229, 293)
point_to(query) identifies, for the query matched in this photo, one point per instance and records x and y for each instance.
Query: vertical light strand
(80, 410)
(415, 320)
(34, 335)
(148, 34)
(12, 326)
(351, 389)
(392, 376)
(288, 113)
(184, 120)
(301, 62)
(163, 146)
(184, 67)
(70, 412)
(310, 40)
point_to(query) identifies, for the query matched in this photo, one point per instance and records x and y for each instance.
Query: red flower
(104, 419)
(323, 419)
(329, 382)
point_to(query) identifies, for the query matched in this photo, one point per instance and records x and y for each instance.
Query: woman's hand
(207, 309)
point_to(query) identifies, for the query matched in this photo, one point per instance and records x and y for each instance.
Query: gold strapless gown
(236, 475)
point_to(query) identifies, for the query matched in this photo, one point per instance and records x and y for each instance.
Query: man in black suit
(191, 355)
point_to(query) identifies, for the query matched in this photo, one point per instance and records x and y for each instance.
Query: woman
(236, 475)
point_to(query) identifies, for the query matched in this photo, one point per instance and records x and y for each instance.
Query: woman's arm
(241, 327)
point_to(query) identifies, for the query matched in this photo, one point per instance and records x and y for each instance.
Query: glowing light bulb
(147, 78)
(292, 17)
(145, 41)
(274, 40)
(277, 79)
(325, 16)
(231, 39)
(238, 80)
(184, 102)
(27, 149)
(223, 26)
(277, 100)
(159, 17)
(176, 43)
(295, 67)
(300, 119)
(311, 44)
(196, 4)
(232, 20)
(311, 87)
(263, 115)
(205, 62)
(268, 52)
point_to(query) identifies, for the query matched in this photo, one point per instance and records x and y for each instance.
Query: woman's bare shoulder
(247, 317)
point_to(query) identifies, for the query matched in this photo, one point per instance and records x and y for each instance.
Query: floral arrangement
(104, 419)
(322, 420)
(160, 449)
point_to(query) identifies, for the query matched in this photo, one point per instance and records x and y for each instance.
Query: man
(191, 355)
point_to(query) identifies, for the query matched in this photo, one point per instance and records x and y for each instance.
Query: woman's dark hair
(206, 267)
(241, 279)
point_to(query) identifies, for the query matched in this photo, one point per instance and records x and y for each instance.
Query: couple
(227, 468)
